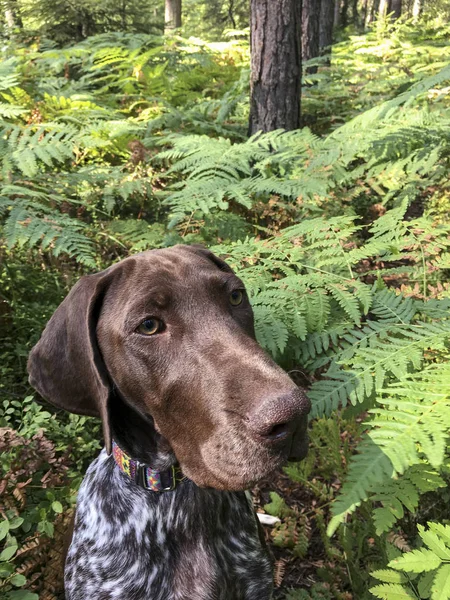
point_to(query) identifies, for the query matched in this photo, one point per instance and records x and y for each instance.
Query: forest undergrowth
(340, 231)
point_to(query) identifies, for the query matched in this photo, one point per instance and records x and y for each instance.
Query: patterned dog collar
(145, 476)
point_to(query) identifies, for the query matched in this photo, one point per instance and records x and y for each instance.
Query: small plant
(421, 573)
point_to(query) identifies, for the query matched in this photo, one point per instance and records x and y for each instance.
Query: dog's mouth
(299, 442)
(243, 469)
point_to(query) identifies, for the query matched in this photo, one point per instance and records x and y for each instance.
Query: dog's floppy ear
(66, 366)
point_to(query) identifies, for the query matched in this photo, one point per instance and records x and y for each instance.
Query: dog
(161, 346)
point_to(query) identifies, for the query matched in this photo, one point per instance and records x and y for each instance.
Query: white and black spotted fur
(188, 544)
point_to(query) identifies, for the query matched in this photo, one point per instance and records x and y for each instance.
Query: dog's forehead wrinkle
(184, 264)
(201, 305)
(172, 257)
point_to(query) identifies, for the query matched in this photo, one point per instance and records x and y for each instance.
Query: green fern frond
(32, 224)
(138, 235)
(390, 307)
(432, 562)
(413, 422)
(11, 111)
(403, 492)
(28, 145)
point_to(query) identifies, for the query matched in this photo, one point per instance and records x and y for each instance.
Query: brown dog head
(161, 346)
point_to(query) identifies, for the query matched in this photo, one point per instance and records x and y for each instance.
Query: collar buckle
(171, 477)
(167, 479)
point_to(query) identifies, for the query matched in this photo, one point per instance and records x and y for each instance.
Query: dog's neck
(137, 436)
(191, 543)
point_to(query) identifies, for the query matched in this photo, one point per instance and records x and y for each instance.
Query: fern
(347, 285)
(75, 126)
(409, 425)
(29, 145)
(391, 351)
(137, 235)
(309, 290)
(431, 563)
(385, 147)
(30, 223)
(402, 493)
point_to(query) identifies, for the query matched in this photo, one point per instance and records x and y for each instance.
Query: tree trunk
(9, 19)
(355, 16)
(417, 9)
(12, 14)
(344, 14)
(123, 15)
(86, 22)
(173, 15)
(326, 24)
(384, 8)
(374, 9)
(396, 9)
(310, 31)
(365, 14)
(337, 13)
(231, 13)
(275, 84)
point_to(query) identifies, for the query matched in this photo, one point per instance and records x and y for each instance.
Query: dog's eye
(150, 326)
(236, 297)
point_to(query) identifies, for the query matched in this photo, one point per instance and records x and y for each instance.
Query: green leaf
(48, 528)
(18, 580)
(8, 553)
(22, 595)
(442, 530)
(277, 507)
(392, 592)
(416, 561)
(434, 543)
(440, 589)
(389, 576)
(425, 583)
(4, 528)
(6, 569)
(57, 507)
(15, 522)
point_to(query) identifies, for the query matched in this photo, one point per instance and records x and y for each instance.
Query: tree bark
(355, 16)
(173, 15)
(344, 13)
(374, 9)
(231, 14)
(396, 9)
(417, 9)
(275, 83)
(384, 8)
(337, 13)
(365, 14)
(326, 24)
(9, 19)
(310, 31)
(123, 15)
(12, 14)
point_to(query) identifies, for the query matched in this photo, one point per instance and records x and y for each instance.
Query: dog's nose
(276, 417)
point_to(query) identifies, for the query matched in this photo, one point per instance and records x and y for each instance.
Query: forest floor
(290, 571)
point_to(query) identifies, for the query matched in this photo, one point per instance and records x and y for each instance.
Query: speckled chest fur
(189, 544)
